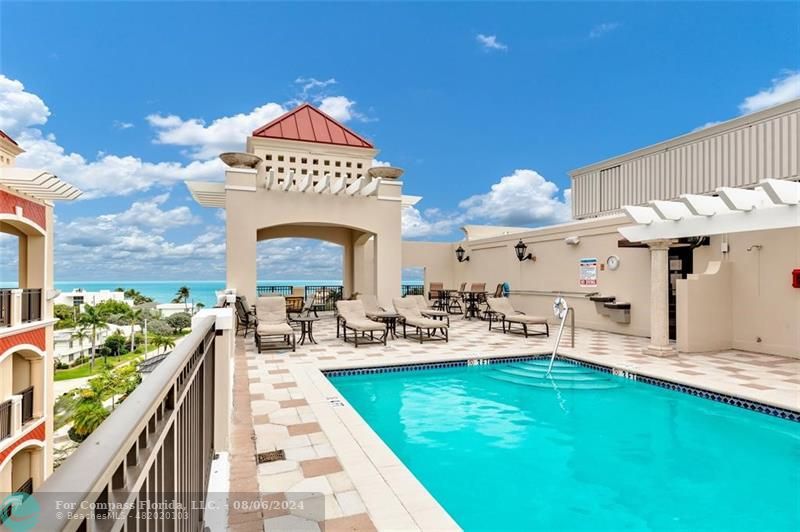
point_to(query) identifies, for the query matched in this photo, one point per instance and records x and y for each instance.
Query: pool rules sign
(587, 275)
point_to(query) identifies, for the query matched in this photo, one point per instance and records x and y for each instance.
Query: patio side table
(390, 319)
(306, 328)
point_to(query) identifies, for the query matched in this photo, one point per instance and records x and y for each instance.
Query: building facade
(737, 153)
(79, 297)
(26, 322)
(716, 289)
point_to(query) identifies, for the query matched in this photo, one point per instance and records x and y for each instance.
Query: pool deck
(282, 401)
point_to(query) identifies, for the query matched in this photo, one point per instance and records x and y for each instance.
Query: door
(680, 265)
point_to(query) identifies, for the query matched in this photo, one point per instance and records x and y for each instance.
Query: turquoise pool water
(501, 447)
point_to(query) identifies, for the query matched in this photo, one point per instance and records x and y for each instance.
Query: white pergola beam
(670, 210)
(703, 205)
(640, 215)
(781, 192)
(323, 184)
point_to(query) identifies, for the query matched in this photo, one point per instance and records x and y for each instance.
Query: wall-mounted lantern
(460, 255)
(520, 250)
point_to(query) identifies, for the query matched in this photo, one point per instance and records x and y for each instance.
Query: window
(304, 171)
(291, 159)
(304, 160)
(268, 157)
(280, 158)
(338, 174)
(360, 175)
(269, 168)
(358, 165)
(349, 164)
(338, 163)
(315, 161)
(280, 170)
(349, 174)
(327, 163)
(316, 172)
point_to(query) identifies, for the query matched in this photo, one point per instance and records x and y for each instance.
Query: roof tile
(309, 124)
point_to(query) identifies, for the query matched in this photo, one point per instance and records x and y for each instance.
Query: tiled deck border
(731, 400)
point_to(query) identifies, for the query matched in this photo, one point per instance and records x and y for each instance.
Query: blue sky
(486, 106)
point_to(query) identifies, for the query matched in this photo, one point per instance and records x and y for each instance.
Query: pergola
(772, 204)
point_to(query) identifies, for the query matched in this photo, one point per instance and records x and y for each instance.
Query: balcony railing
(6, 415)
(31, 305)
(325, 296)
(412, 290)
(27, 404)
(284, 290)
(154, 451)
(20, 306)
(5, 308)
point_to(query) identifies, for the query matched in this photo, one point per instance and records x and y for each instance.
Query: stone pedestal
(659, 300)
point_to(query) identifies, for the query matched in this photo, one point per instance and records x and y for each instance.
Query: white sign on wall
(588, 272)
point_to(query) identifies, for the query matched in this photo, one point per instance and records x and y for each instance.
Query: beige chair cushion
(356, 318)
(370, 303)
(408, 310)
(274, 329)
(524, 318)
(423, 307)
(502, 305)
(271, 310)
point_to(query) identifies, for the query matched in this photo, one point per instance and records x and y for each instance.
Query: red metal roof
(5, 136)
(309, 124)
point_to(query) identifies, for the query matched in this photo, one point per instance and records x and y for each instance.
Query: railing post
(16, 306)
(16, 414)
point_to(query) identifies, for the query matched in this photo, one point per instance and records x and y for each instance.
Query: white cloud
(339, 108)
(783, 89)
(133, 243)
(279, 259)
(118, 124)
(202, 141)
(432, 222)
(490, 42)
(603, 29)
(376, 162)
(522, 198)
(312, 87)
(19, 109)
(109, 175)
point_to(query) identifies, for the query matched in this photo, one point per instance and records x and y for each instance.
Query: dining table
(473, 298)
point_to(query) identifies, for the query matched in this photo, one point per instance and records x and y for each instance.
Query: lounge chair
(501, 309)
(371, 306)
(352, 316)
(245, 318)
(428, 312)
(426, 328)
(488, 313)
(271, 321)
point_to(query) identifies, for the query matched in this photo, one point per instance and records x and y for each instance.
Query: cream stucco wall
(556, 270)
(765, 309)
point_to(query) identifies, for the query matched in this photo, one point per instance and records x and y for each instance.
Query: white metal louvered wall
(739, 153)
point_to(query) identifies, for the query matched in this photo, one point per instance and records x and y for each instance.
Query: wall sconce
(520, 250)
(572, 240)
(460, 255)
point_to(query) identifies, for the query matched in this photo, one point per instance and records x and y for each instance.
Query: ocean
(200, 291)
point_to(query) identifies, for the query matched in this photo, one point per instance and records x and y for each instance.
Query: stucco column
(659, 299)
(37, 380)
(388, 267)
(347, 268)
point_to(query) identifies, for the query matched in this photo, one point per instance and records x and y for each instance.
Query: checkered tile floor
(272, 412)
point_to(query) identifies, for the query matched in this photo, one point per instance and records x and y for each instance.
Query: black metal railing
(324, 297)
(26, 487)
(284, 290)
(31, 304)
(5, 308)
(412, 290)
(154, 451)
(6, 414)
(27, 404)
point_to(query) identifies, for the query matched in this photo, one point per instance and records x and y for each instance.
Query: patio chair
(314, 303)
(501, 308)
(434, 293)
(426, 328)
(455, 305)
(488, 313)
(245, 318)
(299, 291)
(352, 316)
(428, 312)
(271, 321)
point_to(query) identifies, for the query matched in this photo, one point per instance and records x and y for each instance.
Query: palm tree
(168, 343)
(89, 410)
(80, 334)
(182, 295)
(95, 320)
(135, 316)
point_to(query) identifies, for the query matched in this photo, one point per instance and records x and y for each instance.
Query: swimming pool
(501, 447)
